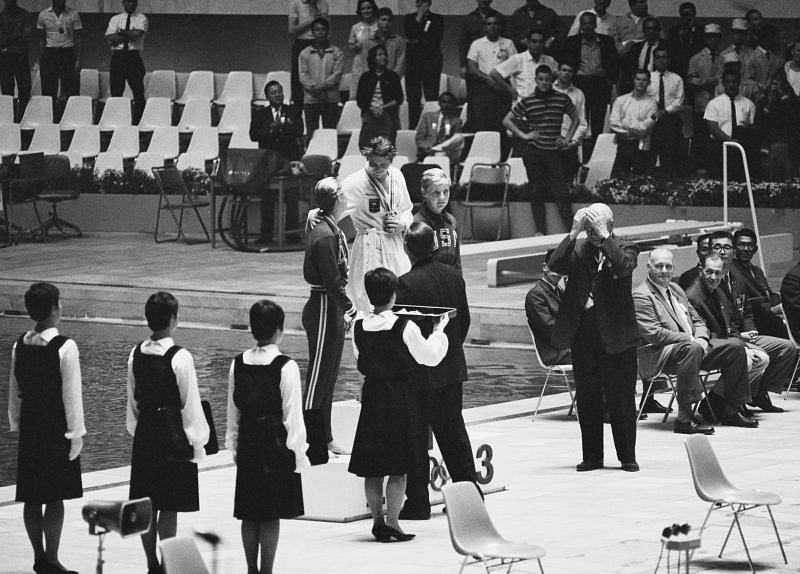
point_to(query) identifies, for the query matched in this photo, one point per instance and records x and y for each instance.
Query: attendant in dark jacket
(328, 312)
(436, 284)
(435, 186)
(379, 97)
(424, 31)
(597, 322)
(640, 56)
(277, 127)
(541, 307)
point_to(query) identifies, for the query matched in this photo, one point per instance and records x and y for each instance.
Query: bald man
(597, 322)
(676, 341)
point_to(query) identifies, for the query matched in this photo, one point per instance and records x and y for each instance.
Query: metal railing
(738, 146)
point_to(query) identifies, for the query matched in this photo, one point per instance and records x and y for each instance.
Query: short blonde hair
(327, 193)
(434, 177)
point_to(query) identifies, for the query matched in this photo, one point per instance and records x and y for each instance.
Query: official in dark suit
(675, 340)
(703, 243)
(641, 53)
(277, 127)
(541, 307)
(437, 284)
(594, 76)
(790, 295)
(597, 322)
(761, 297)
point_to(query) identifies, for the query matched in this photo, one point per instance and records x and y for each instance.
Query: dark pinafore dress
(44, 472)
(170, 484)
(267, 487)
(386, 430)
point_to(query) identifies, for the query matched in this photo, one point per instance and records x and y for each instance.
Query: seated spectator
(607, 23)
(632, 120)
(320, 67)
(640, 54)
(702, 77)
(730, 117)
(437, 131)
(277, 127)
(764, 302)
(703, 243)
(721, 300)
(675, 340)
(747, 88)
(435, 186)
(517, 75)
(775, 128)
(569, 153)
(790, 299)
(541, 308)
(666, 88)
(394, 44)
(379, 97)
(685, 39)
(536, 15)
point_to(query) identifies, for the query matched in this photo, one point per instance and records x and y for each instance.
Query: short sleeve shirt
(544, 114)
(59, 29)
(118, 24)
(522, 71)
(488, 54)
(719, 110)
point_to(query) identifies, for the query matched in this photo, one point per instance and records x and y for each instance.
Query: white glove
(76, 445)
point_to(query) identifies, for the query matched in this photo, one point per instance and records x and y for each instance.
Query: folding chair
(171, 185)
(238, 86)
(157, 114)
(713, 486)
(559, 370)
(483, 178)
(486, 144)
(162, 84)
(56, 169)
(199, 86)
(39, 111)
(475, 537)
(235, 116)
(116, 113)
(180, 555)
(85, 144)
(671, 382)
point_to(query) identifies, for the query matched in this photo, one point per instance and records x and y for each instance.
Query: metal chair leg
(778, 536)
(539, 402)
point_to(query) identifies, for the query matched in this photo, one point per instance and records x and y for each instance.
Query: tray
(419, 313)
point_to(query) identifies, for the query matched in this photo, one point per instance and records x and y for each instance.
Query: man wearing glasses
(729, 313)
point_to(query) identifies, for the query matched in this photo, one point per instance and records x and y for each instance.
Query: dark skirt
(262, 495)
(387, 428)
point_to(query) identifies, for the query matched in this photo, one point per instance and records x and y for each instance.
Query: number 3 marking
(484, 455)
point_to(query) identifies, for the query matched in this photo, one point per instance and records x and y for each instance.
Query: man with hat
(739, 44)
(705, 71)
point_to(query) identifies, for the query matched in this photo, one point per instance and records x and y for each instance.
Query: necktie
(733, 122)
(682, 323)
(726, 286)
(646, 64)
(126, 43)
(277, 115)
(661, 105)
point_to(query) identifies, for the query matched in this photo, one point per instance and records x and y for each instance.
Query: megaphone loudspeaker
(126, 517)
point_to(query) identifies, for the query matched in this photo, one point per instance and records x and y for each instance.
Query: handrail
(737, 145)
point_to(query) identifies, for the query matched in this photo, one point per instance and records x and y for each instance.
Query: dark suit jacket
(610, 286)
(761, 298)
(631, 62)
(280, 137)
(723, 317)
(391, 91)
(790, 293)
(660, 327)
(688, 277)
(541, 307)
(439, 285)
(608, 54)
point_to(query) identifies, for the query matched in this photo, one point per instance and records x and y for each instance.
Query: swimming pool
(496, 375)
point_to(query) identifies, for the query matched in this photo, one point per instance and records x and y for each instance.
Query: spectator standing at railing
(16, 28)
(60, 45)
(474, 28)
(632, 120)
(666, 88)
(302, 14)
(424, 31)
(705, 70)
(125, 35)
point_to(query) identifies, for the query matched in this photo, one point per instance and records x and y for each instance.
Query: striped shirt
(543, 113)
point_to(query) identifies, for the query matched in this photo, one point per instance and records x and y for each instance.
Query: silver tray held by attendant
(419, 313)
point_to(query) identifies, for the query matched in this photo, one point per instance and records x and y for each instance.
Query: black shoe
(587, 465)
(397, 535)
(745, 411)
(406, 514)
(48, 568)
(764, 403)
(380, 534)
(737, 419)
(653, 406)
(691, 427)
(630, 466)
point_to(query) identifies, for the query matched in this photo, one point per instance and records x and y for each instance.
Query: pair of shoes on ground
(385, 533)
(653, 406)
(588, 465)
(764, 403)
(43, 567)
(737, 419)
(692, 427)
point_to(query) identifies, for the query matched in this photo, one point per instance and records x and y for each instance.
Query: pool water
(495, 376)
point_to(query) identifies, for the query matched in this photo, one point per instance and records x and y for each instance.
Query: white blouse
(428, 352)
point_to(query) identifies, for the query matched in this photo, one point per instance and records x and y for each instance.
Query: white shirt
(579, 101)
(291, 404)
(680, 309)
(719, 110)
(633, 118)
(605, 25)
(194, 421)
(69, 364)
(428, 352)
(59, 29)
(138, 22)
(643, 55)
(673, 90)
(488, 55)
(521, 68)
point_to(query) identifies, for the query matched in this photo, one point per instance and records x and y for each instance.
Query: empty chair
(157, 114)
(46, 139)
(10, 139)
(199, 86)
(205, 142)
(602, 160)
(468, 163)
(39, 111)
(180, 556)
(196, 114)
(146, 161)
(559, 370)
(116, 113)
(235, 116)
(285, 80)
(166, 142)
(175, 197)
(441, 160)
(108, 161)
(475, 537)
(162, 84)
(323, 142)
(191, 160)
(90, 83)
(713, 486)
(350, 164)
(259, 82)
(240, 139)
(125, 141)
(486, 144)
(85, 144)
(352, 144)
(406, 144)
(486, 182)
(56, 168)
(350, 119)
(78, 112)
(400, 160)
(6, 110)
(238, 86)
